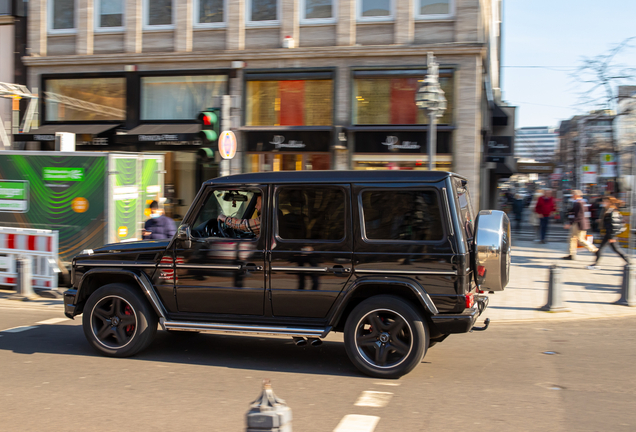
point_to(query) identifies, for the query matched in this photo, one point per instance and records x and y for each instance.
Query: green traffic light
(210, 135)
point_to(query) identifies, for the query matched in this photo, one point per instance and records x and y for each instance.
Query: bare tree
(600, 76)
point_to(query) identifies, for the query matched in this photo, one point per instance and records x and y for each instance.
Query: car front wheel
(385, 337)
(118, 321)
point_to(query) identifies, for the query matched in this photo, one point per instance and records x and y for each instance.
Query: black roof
(335, 177)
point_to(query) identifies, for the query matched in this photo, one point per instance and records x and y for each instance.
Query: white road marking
(357, 423)
(18, 329)
(393, 384)
(53, 321)
(374, 399)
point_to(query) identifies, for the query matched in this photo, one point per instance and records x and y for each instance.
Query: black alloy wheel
(385, 337)
(118, 321)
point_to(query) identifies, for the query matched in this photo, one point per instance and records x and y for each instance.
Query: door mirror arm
(185, 236)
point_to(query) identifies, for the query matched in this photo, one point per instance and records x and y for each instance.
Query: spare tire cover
(492, 250)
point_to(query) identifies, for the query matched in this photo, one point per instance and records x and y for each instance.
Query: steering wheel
(221, 226)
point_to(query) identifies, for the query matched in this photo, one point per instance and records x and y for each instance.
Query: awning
(161, 133)
(499, 117)
(47, 132)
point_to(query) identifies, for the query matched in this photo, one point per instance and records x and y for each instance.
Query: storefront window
(289, 103)
(179, 97)
(391, 100)
(85, 99)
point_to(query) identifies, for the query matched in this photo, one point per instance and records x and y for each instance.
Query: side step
(319, 332)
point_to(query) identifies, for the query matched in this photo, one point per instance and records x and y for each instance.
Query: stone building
(313, 84)
(538, 143)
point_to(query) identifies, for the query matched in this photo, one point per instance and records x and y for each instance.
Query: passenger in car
(245, 225)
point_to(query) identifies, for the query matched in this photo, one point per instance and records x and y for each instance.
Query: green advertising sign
(62, 174)
(126, 196)
(13, 190)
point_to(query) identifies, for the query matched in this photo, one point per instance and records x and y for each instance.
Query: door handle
(339, 270)
(252, 267)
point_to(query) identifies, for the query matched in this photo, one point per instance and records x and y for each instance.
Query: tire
(118, 321)
(392, 347)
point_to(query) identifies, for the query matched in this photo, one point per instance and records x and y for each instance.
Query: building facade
(307, 84)
(536, 143)
(625, 128)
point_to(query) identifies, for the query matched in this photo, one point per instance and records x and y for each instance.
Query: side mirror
(184, 235)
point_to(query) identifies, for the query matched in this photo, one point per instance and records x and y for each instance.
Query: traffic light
(210, 120)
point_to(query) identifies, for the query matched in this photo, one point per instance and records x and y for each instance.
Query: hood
(143, 245)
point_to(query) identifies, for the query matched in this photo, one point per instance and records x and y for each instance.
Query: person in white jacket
(534, 218)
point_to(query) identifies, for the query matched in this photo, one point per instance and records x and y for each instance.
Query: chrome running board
(242, 328)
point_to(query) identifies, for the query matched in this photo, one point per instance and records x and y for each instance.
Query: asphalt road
(498, 380)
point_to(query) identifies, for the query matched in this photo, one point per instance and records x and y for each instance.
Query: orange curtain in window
(403, 108)
(292, 102)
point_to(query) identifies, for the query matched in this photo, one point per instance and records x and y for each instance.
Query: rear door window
(401, 215)
(467, 215)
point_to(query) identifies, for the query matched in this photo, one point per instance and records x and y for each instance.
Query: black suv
(393, 259)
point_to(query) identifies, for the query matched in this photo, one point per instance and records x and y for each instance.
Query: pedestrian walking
(534, 217)
(517, 209)
(612, 221)
(545, 208)
(159, 226)
(579, 226)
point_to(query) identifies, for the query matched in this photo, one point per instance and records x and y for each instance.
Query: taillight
(470, 300)
(481, 271)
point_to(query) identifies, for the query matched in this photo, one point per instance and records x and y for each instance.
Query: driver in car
(245, 225)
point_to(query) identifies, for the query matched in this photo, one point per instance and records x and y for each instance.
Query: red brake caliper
(131, 327)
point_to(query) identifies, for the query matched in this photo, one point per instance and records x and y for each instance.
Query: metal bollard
(628, 289)
(24, 286)
(269, 413)
(555, 292)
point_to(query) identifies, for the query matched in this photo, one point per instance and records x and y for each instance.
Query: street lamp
(430, 97)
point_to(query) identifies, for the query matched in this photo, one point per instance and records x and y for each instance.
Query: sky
(556, 35)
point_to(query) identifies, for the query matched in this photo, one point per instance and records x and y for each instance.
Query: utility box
(90, 198)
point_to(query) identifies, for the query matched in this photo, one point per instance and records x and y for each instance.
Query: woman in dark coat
(612, 222)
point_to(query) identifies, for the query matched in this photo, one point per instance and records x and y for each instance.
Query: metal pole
(632, 196)
(432, 138)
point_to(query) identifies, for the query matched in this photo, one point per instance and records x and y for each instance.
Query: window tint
(402, 215)
(465, 208)
(238, 204)
(311, 214)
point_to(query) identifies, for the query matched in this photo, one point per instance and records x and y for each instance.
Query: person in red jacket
(544, 208)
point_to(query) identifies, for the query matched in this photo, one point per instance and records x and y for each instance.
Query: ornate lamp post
(430, 97)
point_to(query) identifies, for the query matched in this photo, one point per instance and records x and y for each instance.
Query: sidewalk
(586, 293)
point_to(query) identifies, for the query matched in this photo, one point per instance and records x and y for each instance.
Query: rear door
(311, 248)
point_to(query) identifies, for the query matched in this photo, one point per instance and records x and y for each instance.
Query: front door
(311, 248)
(222, 269)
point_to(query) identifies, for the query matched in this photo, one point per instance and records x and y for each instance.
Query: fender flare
(142, 280)
(416, 288)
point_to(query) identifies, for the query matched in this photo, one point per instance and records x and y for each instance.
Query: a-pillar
(235, 36)
(183, 30)
(134, 26)
(289, 19)
(85, 27)
(346, 26)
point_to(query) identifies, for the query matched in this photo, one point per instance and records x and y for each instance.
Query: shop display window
(391, 101)
(179, 97)
(85, 99)
(289, 103)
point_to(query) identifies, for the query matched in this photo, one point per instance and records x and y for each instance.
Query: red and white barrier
(40, 245)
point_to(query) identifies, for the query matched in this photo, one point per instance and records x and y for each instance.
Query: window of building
(375, 10)
(262, 12)
(158, 14)
(109, 14)
(433, 9)
(289, 103)
(390, 99)
(179, 97)
(407, 215)
(317, 11)
(61, 16)
(209, 13)
(85, 99)
(311, 213)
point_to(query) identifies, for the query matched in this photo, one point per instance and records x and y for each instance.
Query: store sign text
(164, 137)
(44, 137)
(279, 142)
(392, 143)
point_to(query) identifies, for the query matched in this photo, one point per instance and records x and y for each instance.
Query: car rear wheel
(385, 337)
(118, 321)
